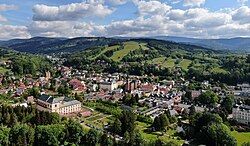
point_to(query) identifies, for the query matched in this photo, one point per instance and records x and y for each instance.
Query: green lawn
(128, 46)
(185, 63)
(218, 70)
(163, 61)
(107, 49)
(169, 63)
(143, 46)
(241, 137)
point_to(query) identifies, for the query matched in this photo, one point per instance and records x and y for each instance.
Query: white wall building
(242, 114)
(60, 105)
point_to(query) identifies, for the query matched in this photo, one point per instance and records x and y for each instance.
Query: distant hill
(232, 44)
(46, 45)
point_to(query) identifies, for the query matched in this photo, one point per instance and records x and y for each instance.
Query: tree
(160, 122)
(13, 119)
(216, 134)
(248, 58)
(127, 119)
(21, 135)
(204, 119)
(44, 135)
(92, 137)
(74, 132)
(227, 104)
(138, 140)
(192, 110)
(4, 136)
(34, 92)
(116, 126)
(208, 98)
(105, 140)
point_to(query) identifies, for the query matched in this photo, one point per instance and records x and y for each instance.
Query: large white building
(60, 105)
(242, 114)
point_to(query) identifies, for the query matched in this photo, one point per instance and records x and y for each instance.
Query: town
(96, 99)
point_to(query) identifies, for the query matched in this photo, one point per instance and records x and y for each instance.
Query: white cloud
(153, 7)
(70, 12)
(117, 2)
(4, 7)
(242, 2)
(193, 3)
(2, 19)
(63, 29)
(156, 18)
(10, 31)
(242, 15)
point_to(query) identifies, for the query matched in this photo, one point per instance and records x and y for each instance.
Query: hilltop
(238, 44)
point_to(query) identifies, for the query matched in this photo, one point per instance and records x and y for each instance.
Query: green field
(128, 46)
(185, 63)
(218, 70)
(163, 62)
(108, 49)
(241, 137)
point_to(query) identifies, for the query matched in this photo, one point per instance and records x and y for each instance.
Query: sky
(126, 18)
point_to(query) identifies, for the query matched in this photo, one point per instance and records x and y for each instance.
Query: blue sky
(73, 18)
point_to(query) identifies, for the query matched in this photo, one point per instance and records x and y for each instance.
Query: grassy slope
(185, 63)
(107, 49)
(241, 137)
(169, 62)
(128, 46)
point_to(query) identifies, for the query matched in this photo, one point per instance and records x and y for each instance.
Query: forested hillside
(162, 58)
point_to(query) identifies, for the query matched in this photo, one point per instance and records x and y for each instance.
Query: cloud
(153, 7)
(117, 2)
(155, 18)
(3, 19)
(193, 3)
(70, 12)
(63, 29)
(10, 31)
(4, 7)
(242, 2)
(242, 15)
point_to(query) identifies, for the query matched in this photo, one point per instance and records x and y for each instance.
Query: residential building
(106, 85)
(242, 114)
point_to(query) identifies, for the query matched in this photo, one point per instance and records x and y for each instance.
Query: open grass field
(218, 70)
(107, 49)
(128, 46)
(163, 61)
(167, 136)
(185, 63)
(143, 46)
(241, 137)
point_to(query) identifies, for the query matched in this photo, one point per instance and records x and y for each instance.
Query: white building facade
(242, 114)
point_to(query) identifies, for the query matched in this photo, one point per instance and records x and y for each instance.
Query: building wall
(58, 107)
(70, 109)
(241, 116)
